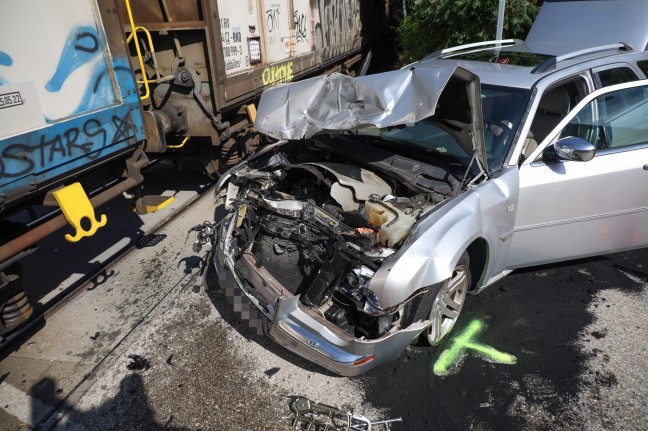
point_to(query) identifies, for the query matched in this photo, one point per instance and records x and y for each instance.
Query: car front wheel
(449, 301)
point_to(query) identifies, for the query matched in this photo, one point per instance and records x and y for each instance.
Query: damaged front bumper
(303, 330)
(299, 332)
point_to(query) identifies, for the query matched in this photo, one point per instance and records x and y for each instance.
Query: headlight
(357, 287)
(373, 307)
(372, 304)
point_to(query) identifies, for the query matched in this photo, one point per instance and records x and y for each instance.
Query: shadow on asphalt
(129, 409)
(539, 315)
(123, 225)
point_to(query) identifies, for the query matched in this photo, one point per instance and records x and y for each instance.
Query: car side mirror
(571, 148)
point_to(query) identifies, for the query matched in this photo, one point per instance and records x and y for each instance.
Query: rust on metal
(15, 246)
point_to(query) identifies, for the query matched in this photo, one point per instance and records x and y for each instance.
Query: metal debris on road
(138, 362)
(204, 235)
(272, 371)
(310, 415)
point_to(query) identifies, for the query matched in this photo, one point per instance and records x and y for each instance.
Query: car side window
(613, 120)
(617, 75)
(643, 65)
(554, 105)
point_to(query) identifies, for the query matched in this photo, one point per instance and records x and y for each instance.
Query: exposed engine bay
(314, 223)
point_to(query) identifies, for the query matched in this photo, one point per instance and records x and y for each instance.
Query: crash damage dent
(317, 225)
(421, 265)
(301, 329)
(485, 212)
(305, 262)
(337, 103)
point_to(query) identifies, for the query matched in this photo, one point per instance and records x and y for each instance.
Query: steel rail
(15, 339)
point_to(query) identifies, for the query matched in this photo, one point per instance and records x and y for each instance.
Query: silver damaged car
(389, 197)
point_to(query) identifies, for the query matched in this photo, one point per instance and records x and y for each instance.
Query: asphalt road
(576, 332)
(579, 333)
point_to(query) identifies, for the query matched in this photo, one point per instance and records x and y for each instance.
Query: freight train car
(74, 117)
(205, 62)
(70, 123)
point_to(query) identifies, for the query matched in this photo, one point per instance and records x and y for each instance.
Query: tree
(435, 24)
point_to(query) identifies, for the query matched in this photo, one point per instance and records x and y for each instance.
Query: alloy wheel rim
(447, 305)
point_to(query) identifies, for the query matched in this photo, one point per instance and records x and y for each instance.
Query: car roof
(566, 33)
(489, 73)
(520, 67)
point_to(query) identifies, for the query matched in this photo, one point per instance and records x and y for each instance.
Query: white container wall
(238, 24)
(263, 32)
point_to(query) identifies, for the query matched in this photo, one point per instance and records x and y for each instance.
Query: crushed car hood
(338, 103)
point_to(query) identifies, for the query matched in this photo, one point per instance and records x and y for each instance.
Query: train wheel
(216, 160)
(15, 307)
(209, 160)
(229, 153)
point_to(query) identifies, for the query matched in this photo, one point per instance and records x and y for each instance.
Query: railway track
(45, 311)
(89, 326)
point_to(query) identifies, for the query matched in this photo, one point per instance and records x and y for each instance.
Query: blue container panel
(31, 159)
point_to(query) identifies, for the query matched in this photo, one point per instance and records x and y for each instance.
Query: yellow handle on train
(134, 29)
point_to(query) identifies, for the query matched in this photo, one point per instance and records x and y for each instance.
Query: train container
(207, 61)
(89, 87)
(71, 122)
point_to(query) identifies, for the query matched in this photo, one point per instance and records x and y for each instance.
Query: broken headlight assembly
(305, 241)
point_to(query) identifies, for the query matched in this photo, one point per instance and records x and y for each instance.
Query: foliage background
(435, 24)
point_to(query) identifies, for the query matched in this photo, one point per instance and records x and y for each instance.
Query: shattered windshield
(502, 109)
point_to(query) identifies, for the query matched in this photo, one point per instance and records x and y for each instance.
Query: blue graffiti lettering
(81, 47)
(100, 92)
(5, 59)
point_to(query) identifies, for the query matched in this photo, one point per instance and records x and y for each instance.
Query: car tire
(448, 302)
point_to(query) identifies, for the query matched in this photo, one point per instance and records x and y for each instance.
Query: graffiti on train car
(339, 21)
(5, 60)
(278, 74)
(82, 46)
(56, 145)
(287, 30)
(302, 27)
(272, 25)
(72, 75)
(301, 35)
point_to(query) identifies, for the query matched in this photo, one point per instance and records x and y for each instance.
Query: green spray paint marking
(466, 341)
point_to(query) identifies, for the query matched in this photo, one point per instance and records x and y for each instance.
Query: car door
(571, 209)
